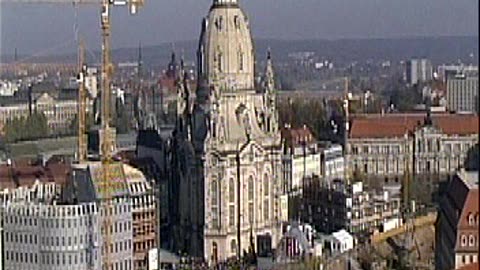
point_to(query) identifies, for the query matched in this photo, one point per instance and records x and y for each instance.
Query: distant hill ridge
(438, 49)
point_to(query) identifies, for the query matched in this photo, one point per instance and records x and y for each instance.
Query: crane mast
(346, 106)
(107, 133)
(82, 104)
(106, 141)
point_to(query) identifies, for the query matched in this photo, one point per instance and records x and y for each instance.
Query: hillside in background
(438, 49)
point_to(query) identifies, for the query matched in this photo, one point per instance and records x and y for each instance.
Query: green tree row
(32, 127)
(73, 127)
(299, 111)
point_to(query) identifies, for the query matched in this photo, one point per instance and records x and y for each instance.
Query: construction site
(124, 201)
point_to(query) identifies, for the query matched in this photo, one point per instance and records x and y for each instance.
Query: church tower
(225, 53)
(232, 188)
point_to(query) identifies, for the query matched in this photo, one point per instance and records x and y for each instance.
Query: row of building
(460, 83)
(59, 105)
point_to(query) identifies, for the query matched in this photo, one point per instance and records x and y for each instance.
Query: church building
(227, 146)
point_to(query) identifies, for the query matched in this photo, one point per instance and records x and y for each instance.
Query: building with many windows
(332, 161)
(52, 221)
(39, 236)
(144, 215)
(60, 109)
(301, 157)
(462, 91)
(456, 229)
(333, 206)
(52, 237)
(418, 71)
(389, 145)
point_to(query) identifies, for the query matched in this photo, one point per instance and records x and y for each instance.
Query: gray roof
(470, 178)
(168, 257)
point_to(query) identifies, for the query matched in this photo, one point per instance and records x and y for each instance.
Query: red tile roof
(25, 175)
(168, 84)
(464, 201)
(297, 136)
(397, 125)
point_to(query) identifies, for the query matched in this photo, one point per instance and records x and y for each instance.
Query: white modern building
(298, 241)
(332, 161)
(462, 91)
(333, 206)
(444, 70)
(8, 88)
(338, 242)
(65, 236)
(418, 71)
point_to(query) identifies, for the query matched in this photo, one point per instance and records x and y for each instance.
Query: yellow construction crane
(346, 106)
(107, 132)
(82, 104)
(107, 144)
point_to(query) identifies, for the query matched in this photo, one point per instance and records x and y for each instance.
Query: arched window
(471, 219)
(220, 62)
(266, 200)
(240, 61)
(251, 191)
(266, 185)
(471, 240)
(236, 22)
(233, 246)
(214, 193)
(214, 200)
(250, 188)
(463, 240)
(215, 251)
(231, 190)
(219, 23)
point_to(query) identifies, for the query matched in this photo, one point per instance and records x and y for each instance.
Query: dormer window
(219, 23)
(471, 219)
(463, 240)
(240, 61)
(236, 22)
(471, 240)
(220, 62)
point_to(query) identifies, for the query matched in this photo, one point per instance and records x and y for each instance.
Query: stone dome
(225, 52)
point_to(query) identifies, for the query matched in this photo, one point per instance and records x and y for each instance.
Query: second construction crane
(107, 133)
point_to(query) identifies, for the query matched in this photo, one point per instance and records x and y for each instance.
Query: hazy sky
(44, 28)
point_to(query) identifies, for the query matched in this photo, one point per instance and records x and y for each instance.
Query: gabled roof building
(457, 242)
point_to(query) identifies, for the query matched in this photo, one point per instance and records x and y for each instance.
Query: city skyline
(32, 28)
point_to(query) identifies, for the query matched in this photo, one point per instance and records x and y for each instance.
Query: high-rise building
(456, 229)
(444, 70)
(227, 145)
(418, 71)
(462, 91)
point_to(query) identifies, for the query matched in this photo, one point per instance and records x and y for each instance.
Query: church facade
(226, 147)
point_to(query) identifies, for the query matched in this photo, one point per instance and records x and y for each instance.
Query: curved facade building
(64, 237)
